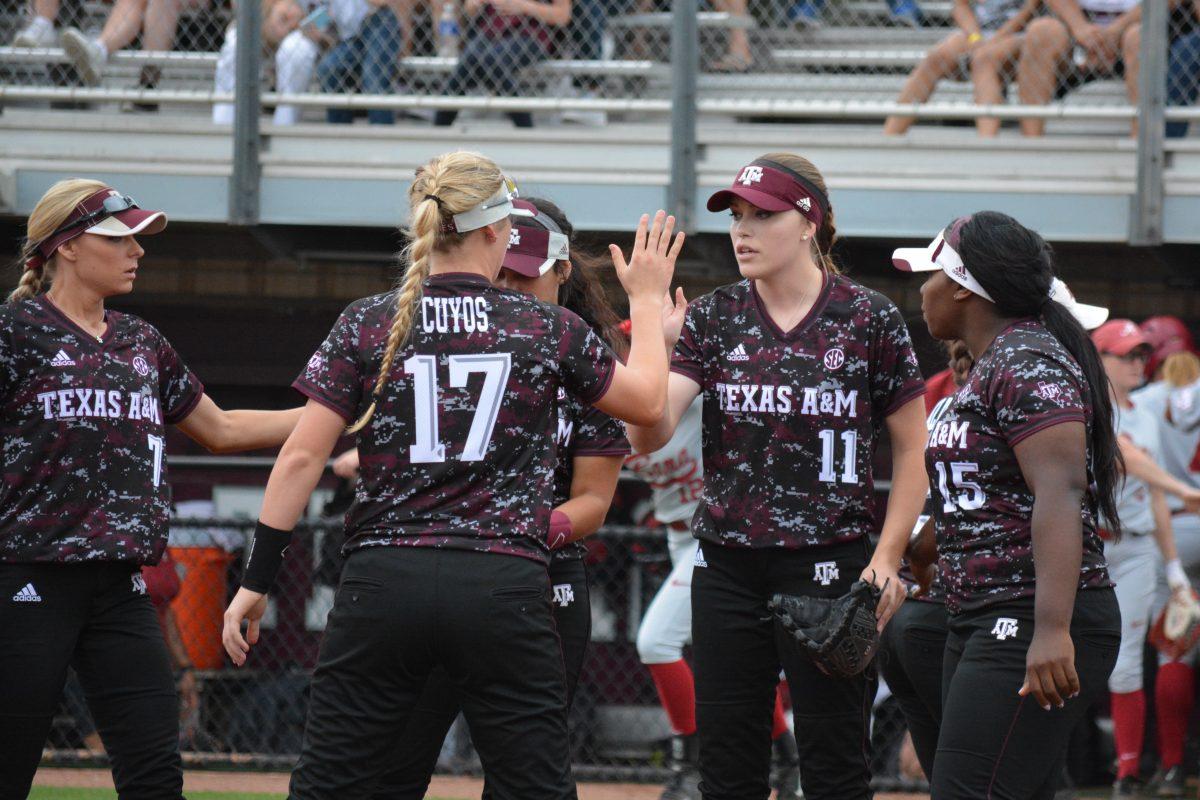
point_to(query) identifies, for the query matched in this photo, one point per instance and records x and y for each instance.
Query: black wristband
(266, 557)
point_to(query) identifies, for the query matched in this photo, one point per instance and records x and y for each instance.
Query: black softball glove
(838, 634)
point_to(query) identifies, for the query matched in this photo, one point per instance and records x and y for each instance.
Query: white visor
(1090, 317)
(494, 209)
(938, 255)
(138, 222)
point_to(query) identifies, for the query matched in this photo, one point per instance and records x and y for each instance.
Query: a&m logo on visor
(805, 203)
(514, 237)
(750, 175)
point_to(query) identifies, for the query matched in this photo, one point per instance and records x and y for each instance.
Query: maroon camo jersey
(582, 431)
(1025, 382)
(82, 421)
(791, 419)
(460, 452)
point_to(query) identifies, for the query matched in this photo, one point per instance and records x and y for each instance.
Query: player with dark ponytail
(1020, 466)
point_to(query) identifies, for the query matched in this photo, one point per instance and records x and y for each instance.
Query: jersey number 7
(495, 368)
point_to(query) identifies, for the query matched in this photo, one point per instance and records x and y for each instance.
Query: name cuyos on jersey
(791, 419)
(460, 452)
(583, 431)
(82, 421)
(1025, 382)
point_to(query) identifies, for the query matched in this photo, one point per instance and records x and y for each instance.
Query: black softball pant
(994, 744)
(910, 660)
(97, 618)
(417, 754)
(399, 615)
(738, 650)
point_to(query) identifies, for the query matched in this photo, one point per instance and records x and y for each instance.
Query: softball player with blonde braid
(451, 384)
(801, 369)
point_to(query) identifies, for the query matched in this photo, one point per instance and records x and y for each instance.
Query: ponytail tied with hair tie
(435, 199)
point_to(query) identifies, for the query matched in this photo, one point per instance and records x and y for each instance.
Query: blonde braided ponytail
(47, 216)
(449, 184)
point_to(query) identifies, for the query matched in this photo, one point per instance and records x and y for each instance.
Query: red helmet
(1166, 335)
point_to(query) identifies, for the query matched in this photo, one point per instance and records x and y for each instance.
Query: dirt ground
(200, 781)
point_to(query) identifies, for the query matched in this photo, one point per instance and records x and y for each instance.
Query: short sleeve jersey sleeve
(332, 376)
(1033, 393)
(688, 358)
(179, 389)
(895, 375)
(586, 364)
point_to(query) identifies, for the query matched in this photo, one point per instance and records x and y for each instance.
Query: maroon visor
(772, 187)
(105, 213)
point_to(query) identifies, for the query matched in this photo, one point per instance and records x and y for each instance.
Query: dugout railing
(253, 716)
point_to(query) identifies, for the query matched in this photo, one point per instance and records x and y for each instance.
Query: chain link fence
(253, 717)
(592, 61)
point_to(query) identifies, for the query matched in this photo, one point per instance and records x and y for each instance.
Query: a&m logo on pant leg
(139, 583)
(1005, 628)
(826, 572)
(564, 595)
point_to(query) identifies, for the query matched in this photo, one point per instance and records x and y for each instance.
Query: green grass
(54, 793)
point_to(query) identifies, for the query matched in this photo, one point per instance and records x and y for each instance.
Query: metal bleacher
(1078, 179)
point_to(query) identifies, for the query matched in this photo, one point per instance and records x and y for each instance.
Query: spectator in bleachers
(986, 46)
(155, 20)
(1183, 64)
(505, 36)
(1079, 42)
(809, 13)
(40, 30)
(295, 52)
(738, 58)
(366, 56)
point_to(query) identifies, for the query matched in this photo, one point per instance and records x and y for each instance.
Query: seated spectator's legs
(990, 63)
(943, 60)
(123, 25)
(1183, 77)
(738, 58)
(493, 63)
(162, 18)
(225, 78)
(1131, 43)
(295, 61)
(1043, 54)
(380, 56)
(40, 30)
(338, 72)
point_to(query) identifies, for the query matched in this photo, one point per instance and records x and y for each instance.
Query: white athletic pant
(1133, 564)
(295, 62)
(667, 625)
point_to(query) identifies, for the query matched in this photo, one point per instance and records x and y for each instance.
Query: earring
(805, 237)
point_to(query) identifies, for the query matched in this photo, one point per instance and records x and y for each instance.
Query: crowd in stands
(1045, 48)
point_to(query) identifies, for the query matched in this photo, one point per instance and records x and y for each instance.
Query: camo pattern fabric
(583, 431)
(791, 419)
(85, 471)
(936, 593)
(1024, 383)
(460, 452)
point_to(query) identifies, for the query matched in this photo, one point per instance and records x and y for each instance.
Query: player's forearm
(1144, 468)
(1164, 534)
(648, 360)
(292, 481)
(246, 429)
(905, 502)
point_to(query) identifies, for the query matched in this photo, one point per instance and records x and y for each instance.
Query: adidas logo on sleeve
(61, 359)
(28, 594)
(739, 353)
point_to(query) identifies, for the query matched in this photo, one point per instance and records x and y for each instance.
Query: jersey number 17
(423, 369)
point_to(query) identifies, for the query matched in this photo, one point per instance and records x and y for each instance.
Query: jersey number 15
(495, 368)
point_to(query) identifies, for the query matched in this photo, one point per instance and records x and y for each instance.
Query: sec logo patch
(141, 366)
(835, 358)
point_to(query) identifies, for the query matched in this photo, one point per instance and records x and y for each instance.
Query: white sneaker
(86, 54)
(36, 34)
